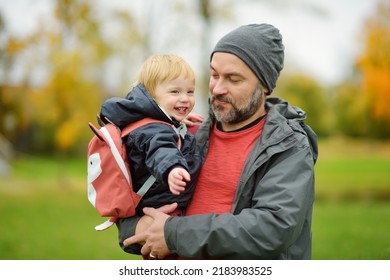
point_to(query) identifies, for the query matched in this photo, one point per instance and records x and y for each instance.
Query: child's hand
(177, 180)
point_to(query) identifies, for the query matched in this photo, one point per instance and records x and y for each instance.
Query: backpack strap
(134, 125)
(146, 186)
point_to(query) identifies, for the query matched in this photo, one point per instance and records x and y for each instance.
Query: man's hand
(153, 237)
(146, 221)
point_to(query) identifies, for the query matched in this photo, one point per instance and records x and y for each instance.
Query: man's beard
(237, 114)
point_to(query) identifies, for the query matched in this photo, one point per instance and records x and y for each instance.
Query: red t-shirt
(221, 171)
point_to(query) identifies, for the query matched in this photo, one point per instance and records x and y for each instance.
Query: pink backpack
(110, 188)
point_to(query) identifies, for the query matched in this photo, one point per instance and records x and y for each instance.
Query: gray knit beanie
(260, 46)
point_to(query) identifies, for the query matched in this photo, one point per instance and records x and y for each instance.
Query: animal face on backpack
(94, 171)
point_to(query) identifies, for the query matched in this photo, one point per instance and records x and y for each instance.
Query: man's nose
(219, 87)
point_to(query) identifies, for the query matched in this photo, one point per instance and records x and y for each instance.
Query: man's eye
(235, 80)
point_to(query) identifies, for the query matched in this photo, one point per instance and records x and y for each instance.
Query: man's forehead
(228, 63)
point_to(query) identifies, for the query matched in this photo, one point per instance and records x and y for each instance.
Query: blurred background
(60, 59)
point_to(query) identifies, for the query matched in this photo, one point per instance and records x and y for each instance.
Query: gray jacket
(271, 215)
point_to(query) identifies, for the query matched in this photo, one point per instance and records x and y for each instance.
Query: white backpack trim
(115, 153)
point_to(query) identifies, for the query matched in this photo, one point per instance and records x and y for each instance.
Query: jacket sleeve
(159, 143)
(126, 228)
(268, 225)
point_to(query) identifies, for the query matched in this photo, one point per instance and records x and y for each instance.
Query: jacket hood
(137, 105)
(285, 109)
(293, 115)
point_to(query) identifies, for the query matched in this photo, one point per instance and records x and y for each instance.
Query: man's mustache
(223, 98)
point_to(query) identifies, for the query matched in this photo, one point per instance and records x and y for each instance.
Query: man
(254, 197)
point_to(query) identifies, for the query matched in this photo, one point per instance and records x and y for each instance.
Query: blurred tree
(65, 104)
(72, 93)
(14, 111)
(72, 55)
(351, 110)
(306, 93)
(374, 64)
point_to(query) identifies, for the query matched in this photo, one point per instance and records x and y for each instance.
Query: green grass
(353, 230)
(55, 224)
(46, 215)
(353, 178)
(353, 170)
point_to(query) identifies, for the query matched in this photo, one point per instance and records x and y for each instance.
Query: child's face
(176, 97)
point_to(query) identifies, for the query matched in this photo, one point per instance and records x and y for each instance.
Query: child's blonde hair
(163, 67)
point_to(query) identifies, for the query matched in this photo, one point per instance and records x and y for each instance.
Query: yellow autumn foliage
(374, 63)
